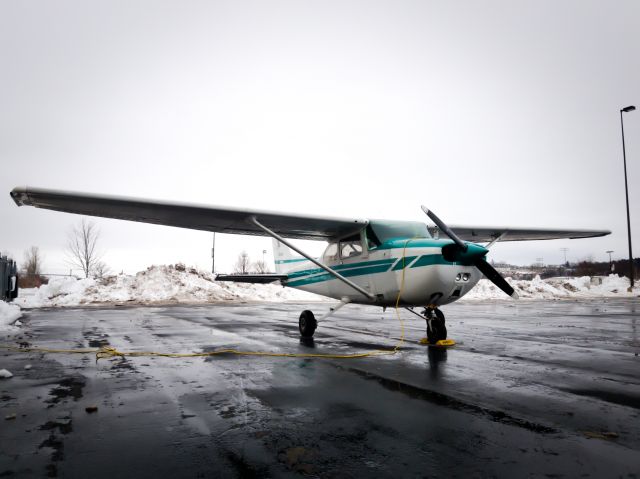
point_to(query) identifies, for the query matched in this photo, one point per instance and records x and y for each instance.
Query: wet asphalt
(532, 389)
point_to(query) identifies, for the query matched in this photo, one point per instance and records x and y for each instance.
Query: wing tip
(20, 195)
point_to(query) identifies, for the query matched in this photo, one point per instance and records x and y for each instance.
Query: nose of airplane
(468, 257)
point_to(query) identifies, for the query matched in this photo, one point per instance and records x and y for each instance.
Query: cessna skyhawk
(367, 261)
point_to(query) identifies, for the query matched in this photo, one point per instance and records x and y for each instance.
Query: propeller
(469, 254)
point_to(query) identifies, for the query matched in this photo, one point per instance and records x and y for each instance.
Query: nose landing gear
(436, 329)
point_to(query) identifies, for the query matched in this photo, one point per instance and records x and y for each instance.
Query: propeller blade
(495, 277)
(444, 228)
(470, 254)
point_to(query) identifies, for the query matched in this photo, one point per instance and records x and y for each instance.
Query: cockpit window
(348, 250)
(351, 246)
(331, 253)
(386, 230)
(372, 240)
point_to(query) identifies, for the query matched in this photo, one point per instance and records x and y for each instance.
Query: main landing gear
(436, 329)
(307, 324)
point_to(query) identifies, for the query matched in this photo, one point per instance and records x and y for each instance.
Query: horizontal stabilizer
(251, 278)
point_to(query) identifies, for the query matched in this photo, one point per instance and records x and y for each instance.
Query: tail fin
(284, 258)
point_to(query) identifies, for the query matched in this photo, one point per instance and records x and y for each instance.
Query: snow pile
(8, 315)
(158, 284)
(556, 288)
(4, 374)
(179, 284)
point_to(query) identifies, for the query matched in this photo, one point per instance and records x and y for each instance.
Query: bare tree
(30, 274)
(101, 269)
(32, 261)
(260, 266)
(242, 263)
(81, 247)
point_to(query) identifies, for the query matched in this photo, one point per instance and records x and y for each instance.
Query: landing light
(458, 276)
(465, 277)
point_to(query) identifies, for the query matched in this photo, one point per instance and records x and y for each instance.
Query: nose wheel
(436, 329)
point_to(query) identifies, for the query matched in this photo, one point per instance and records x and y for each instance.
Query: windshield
(386, 230)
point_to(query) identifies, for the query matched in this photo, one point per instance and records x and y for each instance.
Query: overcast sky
(490, 113)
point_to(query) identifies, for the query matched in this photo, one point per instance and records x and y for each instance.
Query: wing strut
(497, 238)
(316, 262)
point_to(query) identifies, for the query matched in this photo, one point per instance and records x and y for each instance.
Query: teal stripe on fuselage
(341, 267)
(359, 269)
(430, 259)
(403, 262)
(286, 261)
(346, 273)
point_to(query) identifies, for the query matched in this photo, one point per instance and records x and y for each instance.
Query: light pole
(627, 109)
(213, 255)
(609, 253)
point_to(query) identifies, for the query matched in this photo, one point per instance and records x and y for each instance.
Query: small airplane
(367, 261)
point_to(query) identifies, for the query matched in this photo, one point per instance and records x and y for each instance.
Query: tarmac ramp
(531, 389)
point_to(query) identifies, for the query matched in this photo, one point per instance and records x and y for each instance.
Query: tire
(307, 324)
(440, 316)
(437, 331)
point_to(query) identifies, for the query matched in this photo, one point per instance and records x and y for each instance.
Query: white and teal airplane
(367, 261)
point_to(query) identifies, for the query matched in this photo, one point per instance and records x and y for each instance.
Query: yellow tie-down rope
(107, 351)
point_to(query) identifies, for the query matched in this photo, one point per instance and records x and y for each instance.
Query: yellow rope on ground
(108, 352)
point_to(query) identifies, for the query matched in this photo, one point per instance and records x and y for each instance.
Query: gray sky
(490, 113)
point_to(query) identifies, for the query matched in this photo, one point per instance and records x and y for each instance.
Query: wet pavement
(533, 389)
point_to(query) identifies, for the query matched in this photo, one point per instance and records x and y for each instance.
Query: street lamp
(213, 255)
(609, 253)
(627, 109)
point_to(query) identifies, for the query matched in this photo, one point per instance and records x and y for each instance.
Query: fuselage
(413, 269)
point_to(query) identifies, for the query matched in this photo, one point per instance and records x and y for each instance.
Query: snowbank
(178, 284)
(557, 288)
(8, 314)
(158, 284)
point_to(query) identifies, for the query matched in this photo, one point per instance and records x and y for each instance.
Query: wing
(481, 234)
(236, 220)
(183, 215)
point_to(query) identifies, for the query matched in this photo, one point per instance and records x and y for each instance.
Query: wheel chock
(443, 343)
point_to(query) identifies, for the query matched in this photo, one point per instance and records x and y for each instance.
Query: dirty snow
(180, 284)
(157, 284)
(9, 313)
(557, 288)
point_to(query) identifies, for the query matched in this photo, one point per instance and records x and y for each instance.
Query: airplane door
(354, 265)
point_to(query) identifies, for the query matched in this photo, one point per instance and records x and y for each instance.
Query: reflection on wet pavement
(531, 389)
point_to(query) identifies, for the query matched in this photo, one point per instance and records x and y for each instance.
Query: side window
(331, 253)
(372, 240)
(350, 247)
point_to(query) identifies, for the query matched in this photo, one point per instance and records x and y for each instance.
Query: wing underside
(183, 215)
(487, 234)
(238, 220)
